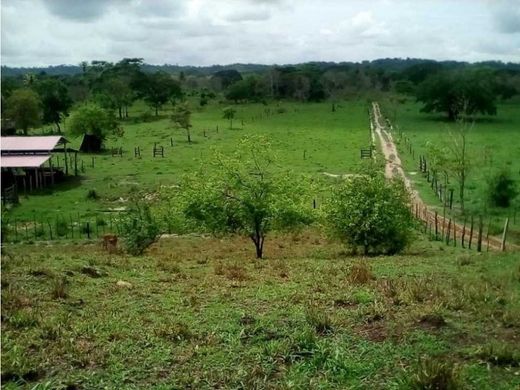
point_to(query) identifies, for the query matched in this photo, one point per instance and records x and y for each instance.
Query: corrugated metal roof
(30, 144)
(23, 161)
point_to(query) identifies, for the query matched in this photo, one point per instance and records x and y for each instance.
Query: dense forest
(32, 96)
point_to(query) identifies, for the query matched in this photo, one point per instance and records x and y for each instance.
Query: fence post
(88, 230)
(471, 233)
(50, 229)
(480, 228)
(448, 233)
(436, 226)
(503, 245)
(454, 233)
(463, 233)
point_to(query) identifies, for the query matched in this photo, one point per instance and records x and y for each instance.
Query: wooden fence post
(471, 233)
(504, 234)
(480, 229)
(436, 226)
(463, 233)
(448, 233)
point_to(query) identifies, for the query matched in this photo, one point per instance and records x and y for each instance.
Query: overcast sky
(205, 32)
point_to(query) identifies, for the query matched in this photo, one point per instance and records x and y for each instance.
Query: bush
(62, 227)
(502, 189)
(92, 194)
(139, 229)
(434, 374)
(368, 212)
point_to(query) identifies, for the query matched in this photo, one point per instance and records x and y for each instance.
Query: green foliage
(181, 117)
(368, 212)
(229, 113)
(55, 100)
(158, 88)
(459, 92)
(23, 107)
(502, 189)
(245, 194)
(93, 120)
(433, 374)
(92, 194)
(139, 229)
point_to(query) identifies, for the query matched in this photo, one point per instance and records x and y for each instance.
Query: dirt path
(445, 226)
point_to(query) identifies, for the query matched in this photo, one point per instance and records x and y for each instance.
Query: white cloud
(203, 32)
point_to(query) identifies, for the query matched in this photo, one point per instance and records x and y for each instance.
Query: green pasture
(307, 138)
(198, 312)
(493, 145)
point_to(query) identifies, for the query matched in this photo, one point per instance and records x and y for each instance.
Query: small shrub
(100, 221)
(319, 320)
(139, 229)
(360, 273)
(177, 331)
(431, 374)
(500, 354)
(236, 272)
(502, 189)
(60, 288)
(62, 227)
(281, 110)
(464, 259)
(92, 195)
(369, 213)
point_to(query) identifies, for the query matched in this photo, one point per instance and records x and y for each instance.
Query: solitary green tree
(369, 213)
(24, 108)
(459, 93)
(246, 195)
(229, 113)
(94, 123)
(181, 117)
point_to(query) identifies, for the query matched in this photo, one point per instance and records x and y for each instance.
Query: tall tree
(459, 92)
(24, 108)
(181, 117)
(55, 100)
(158, 88)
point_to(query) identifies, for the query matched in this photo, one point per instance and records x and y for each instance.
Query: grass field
(331, 141)
(493, 145)
(198, 312)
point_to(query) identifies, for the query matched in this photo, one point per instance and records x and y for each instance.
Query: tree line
(30, 99)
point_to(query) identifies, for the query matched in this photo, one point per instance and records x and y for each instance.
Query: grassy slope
(495, 137)
(201, 313)
(332, 142)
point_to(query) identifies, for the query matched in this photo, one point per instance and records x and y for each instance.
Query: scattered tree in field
(502, 189)
(24, 108)
(371, 213)
(181, 117)
(246, 195)
(55, 100)
(229, 113)
(139, 229)
(457, 93)
(158, 88)
(94, 123)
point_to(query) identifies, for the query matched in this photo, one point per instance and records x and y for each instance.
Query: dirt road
(447, 229)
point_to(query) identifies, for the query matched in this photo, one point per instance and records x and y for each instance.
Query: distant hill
(391, 64)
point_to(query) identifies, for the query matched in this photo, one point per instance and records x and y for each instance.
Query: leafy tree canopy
(459, 92)
(369, 213)
(246, 194)
(24, 108)
(91, 119)
(55, 100)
